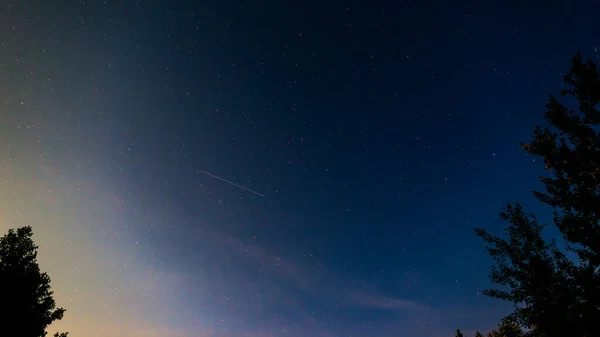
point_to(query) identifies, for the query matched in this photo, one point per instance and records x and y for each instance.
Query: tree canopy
(28, 305)
(555, 295)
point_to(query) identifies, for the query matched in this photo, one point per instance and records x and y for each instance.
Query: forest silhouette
(554, 295)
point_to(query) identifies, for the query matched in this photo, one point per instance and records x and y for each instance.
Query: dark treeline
(554, 295)
(27, 306)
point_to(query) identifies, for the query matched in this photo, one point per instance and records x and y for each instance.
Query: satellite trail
(232, 183)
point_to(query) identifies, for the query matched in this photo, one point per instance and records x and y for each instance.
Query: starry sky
(274, 168)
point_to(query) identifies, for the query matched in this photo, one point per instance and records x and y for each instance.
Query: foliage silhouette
(507, 328)
(28, 306)
(553, 294)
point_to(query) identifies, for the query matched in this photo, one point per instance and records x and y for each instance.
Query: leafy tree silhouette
(27, 306)
(553, 294)
(507, 328)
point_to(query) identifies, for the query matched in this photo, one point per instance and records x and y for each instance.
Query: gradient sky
(379, 134)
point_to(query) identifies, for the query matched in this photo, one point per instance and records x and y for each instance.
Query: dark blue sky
(380, 133)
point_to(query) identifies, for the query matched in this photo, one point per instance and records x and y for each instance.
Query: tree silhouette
(507, 328)
(27, 306)
(459, 334)
(555, 295)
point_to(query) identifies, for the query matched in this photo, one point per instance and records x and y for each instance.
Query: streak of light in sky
(232, 183)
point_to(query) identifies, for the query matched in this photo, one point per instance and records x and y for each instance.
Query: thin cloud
(321, 283)
(384, 302)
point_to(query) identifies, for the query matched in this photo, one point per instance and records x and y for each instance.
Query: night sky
(359, 142)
